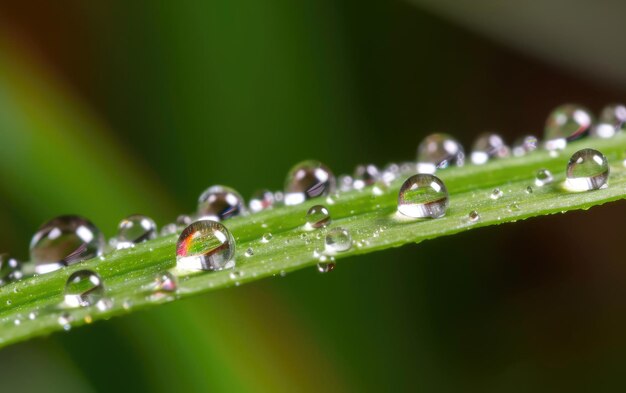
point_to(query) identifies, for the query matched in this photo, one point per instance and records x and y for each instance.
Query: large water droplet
(543, 177)
(218, 203)
(487, 146)
(64, 241)
(525, 145)
(439, 151)
(612, 120)
(565, 124)
(587, 169)
(135, 229)
(205, 245)
(83, 288)
(338, 240)
(10, 269)
(365, 175)
(261, 200)
(423, 195)
(318, 216)
(306, 180)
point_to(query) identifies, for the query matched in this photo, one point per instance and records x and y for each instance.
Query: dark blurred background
(111, 108)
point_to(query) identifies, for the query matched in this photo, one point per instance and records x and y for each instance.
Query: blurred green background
(112, 108)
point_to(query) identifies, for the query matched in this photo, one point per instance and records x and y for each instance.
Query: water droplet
(205, 245)
(365, 175)
(135, 229)
(487, 146)
(63, 241)
(306, 180)
(183, 220)
(165, 282)
(423, 195)
(612, 120)
(473, 216)
(439, 151)
(10, 269)
(261, 200)
(65, 321)
(513, 207)
(338, 240)
(326, 267)
(218, 203)
(587, 169)
(345, 182)
(266, 237)
(169, 229)
(529, 190)
(565, 124)
(249, 252)
(543, 177)
(83, 288)
(318, 216)
(496, 194)
(525, 145)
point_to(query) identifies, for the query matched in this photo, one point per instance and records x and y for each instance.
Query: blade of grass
(371, 219)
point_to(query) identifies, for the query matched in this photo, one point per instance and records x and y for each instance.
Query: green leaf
(370, 217)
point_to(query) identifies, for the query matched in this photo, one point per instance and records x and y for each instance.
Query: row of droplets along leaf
(205, 244)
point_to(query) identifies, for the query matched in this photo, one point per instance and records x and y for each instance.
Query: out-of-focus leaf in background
(113, 108)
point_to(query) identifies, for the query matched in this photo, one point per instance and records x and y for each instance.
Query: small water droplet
(165, 282)
(423, 195)
(306, 180)
(529, 190)
(83, 288)
(487, 146)
(612, 120)
(236, 275)
(9, 302)
(169, 229)
(183, 220)
(543, 177)
(513, 207)
(566, 123)
(525, 145)
(473, 216)
(587, 169)
(32, 315)
(249, 252)
(10, 269)
(326, 267)
(135, 229)
(345, 182)
(496, 194)
(365, 175)
(318, 216)
(65, 321)
(219, 203)
(438, 151)
(205, 245)
(266, 237)
(64, 241)
(261, 200)
(338, 240)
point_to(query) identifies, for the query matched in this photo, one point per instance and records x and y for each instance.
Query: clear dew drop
(65, 320)
(525, 145)
(529, 190)
(183, 220)
(63, 241)
(326, 267)
(473, 216)
(219, 203)
(249, 252)
(165, 282)
(10, 269)
(438, 151)
(306, 180)
(496, 194)
(169, 229)
(317, 217)
(587, 169)
(611, 121)
(365, 175)
(543, 177)
(488, 146)
(338, 240)
(83, 288)
(566, 123)
(345, 182)
(261, 200)
(135, 229)
(266, 237)
(423, 196)
(205, 245)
